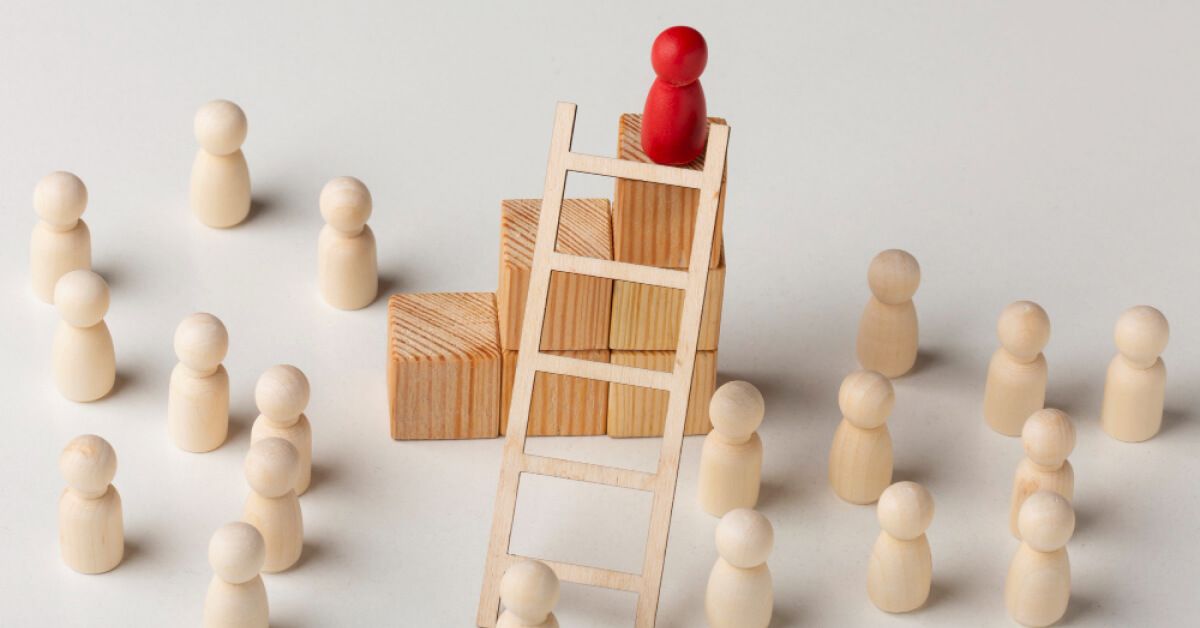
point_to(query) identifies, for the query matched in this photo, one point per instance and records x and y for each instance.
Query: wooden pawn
(1016, 377)
(1038, 587)
(900, 571)
(529, 591)
(1136, 384)
(740, 591)
(731, 460)
(860, 460)
(887, 333)
(1048, 438)
(91, 529)
(236, 595)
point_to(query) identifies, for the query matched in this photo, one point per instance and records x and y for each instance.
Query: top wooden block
(654, 224)
(578, 307)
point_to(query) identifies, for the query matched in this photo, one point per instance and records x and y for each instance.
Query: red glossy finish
(675, 118)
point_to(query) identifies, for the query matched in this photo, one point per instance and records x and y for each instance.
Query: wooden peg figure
(91, 532)
(1135, 388)
(529, 591)
(1016, 379)
(740, 592)
(1048, 438)
(220, 176)
(887, 334)
(675, 118)
(271, 468)
(198, 398)
(61, 241)
(731, 461)
(347, 270)
(236, 595)
(1038, 587)
(900, 572)
(860, 461)
(281, 395)
(85, 362)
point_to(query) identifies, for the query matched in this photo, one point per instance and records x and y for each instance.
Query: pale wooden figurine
(85, 362)
(1016, 378)
(529, 592)
(1038, 587)
(198, 397)
(740, 592)
(220, 177)
(281, 395)
(1048, 438)
(271, 468)
(731, 461)
(900, 572)
(61, 241)
(1135, 388)
(860, 460)
(91, 532)
(236, 595)
(347, 270)
(887, 333)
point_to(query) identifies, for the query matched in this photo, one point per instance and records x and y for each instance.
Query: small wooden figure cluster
(452, 356)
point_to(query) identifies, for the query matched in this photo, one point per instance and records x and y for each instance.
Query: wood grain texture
(634, 411)
(677, 383)
(577, 314)
(444, 365)
(653, 224)
(646, 318)
(561, 405)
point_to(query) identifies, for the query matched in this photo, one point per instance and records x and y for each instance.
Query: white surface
(1041, 151)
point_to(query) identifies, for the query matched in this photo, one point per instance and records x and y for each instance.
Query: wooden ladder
(531, 360)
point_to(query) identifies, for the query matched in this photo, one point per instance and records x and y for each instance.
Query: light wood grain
(444, 365)
(653, 223)
(646, 317)
(515, 461)
(562, 405)
(577, 315)
(638, 411)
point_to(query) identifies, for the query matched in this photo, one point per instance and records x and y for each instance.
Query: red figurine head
(679, 55)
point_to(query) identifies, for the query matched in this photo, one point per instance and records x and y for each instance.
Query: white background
(1046, 151)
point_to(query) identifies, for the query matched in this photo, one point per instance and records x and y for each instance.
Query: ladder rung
(587, 472)
(594, 267)
(603, 371)
(591, 576)
(626, 169)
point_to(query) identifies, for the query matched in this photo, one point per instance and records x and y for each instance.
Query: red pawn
(675, 120)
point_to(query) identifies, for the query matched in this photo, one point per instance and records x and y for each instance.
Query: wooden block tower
(444, 364)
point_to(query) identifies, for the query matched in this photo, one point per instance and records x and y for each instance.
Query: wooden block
(561, 405)
(634, 411)
(578, 308)
(444, 365)
(646, 318)
(653, 223)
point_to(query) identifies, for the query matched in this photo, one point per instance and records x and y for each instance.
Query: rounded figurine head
(866, 399)
(679, 55)
(201, 342)
(272, 467)
(1024, 330)
(1046, 521)
(1048, 437)
(220, 127)
(237, 552)
(59, 199)
(81, 297)
(894, 276)
(1141, 335)
(88, 464)
(346, 204)
(736, 409)
(529, 590)
(745, 538)
(282, 392)
(905, 510)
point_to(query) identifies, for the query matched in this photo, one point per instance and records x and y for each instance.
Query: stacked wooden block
(452, 357)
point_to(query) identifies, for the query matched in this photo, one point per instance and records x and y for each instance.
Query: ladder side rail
(531, 340)
(685, 362)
